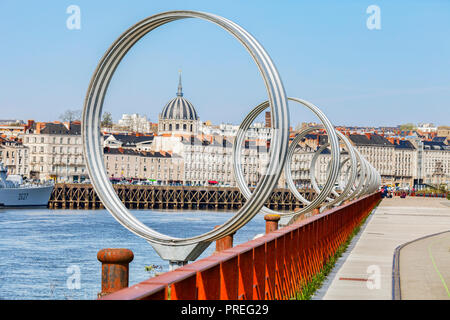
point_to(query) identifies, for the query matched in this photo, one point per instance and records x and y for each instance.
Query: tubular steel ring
(237, 168)
(361, 176)
(93, 105)
(352, 157)
(367, 177)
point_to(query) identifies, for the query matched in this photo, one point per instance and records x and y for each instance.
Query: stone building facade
(55, 151)
(14, 156)
(158, 167)
(435, 163)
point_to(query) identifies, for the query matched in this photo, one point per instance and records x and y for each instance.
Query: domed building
(179, 115)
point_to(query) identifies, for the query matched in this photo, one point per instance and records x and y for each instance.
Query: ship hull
(25, 197)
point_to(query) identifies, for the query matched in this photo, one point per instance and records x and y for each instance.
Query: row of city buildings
(181, 149)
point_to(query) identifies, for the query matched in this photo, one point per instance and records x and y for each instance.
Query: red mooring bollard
(115, 269)
(224, 243)
(271, 222)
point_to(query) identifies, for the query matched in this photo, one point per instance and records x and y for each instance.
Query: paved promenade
(424, 267)
(365, 270)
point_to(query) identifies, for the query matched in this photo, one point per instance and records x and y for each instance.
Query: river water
(52, 254)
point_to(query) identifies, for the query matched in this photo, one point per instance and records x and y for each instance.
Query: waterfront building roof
(439, 139)
(131, 152)
(404, 144)
(370, 140)
(433, 145)
(131, 140)
(67, 128)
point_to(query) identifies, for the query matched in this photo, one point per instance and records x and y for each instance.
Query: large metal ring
(93, 105)
(365, 175)
(237, 168)
(352, 176)
(360, 177)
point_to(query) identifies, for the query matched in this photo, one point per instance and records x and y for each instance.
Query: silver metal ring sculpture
(351, 191)
(321, 196)
(363, 178)
(352, 175)
(92, 114)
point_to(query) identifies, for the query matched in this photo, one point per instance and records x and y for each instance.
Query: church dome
(179, 108)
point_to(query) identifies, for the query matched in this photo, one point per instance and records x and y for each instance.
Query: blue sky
(322, 49)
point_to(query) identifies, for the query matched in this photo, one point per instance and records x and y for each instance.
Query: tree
(408, 127)
(71, 115)
(107, 121)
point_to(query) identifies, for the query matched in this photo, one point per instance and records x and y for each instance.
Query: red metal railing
(274, 266)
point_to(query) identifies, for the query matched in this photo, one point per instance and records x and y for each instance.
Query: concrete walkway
(365, 270)
(424, 268)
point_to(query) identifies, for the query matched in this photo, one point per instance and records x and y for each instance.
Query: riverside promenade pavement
(415, 231)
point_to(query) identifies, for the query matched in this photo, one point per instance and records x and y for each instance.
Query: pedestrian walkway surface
(425, 268)
(365, 269)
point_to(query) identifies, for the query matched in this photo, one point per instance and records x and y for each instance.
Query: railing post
(271, 222)
(224, 243)
(115, 269)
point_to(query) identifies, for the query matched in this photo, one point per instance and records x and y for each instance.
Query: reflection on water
(41, 248)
